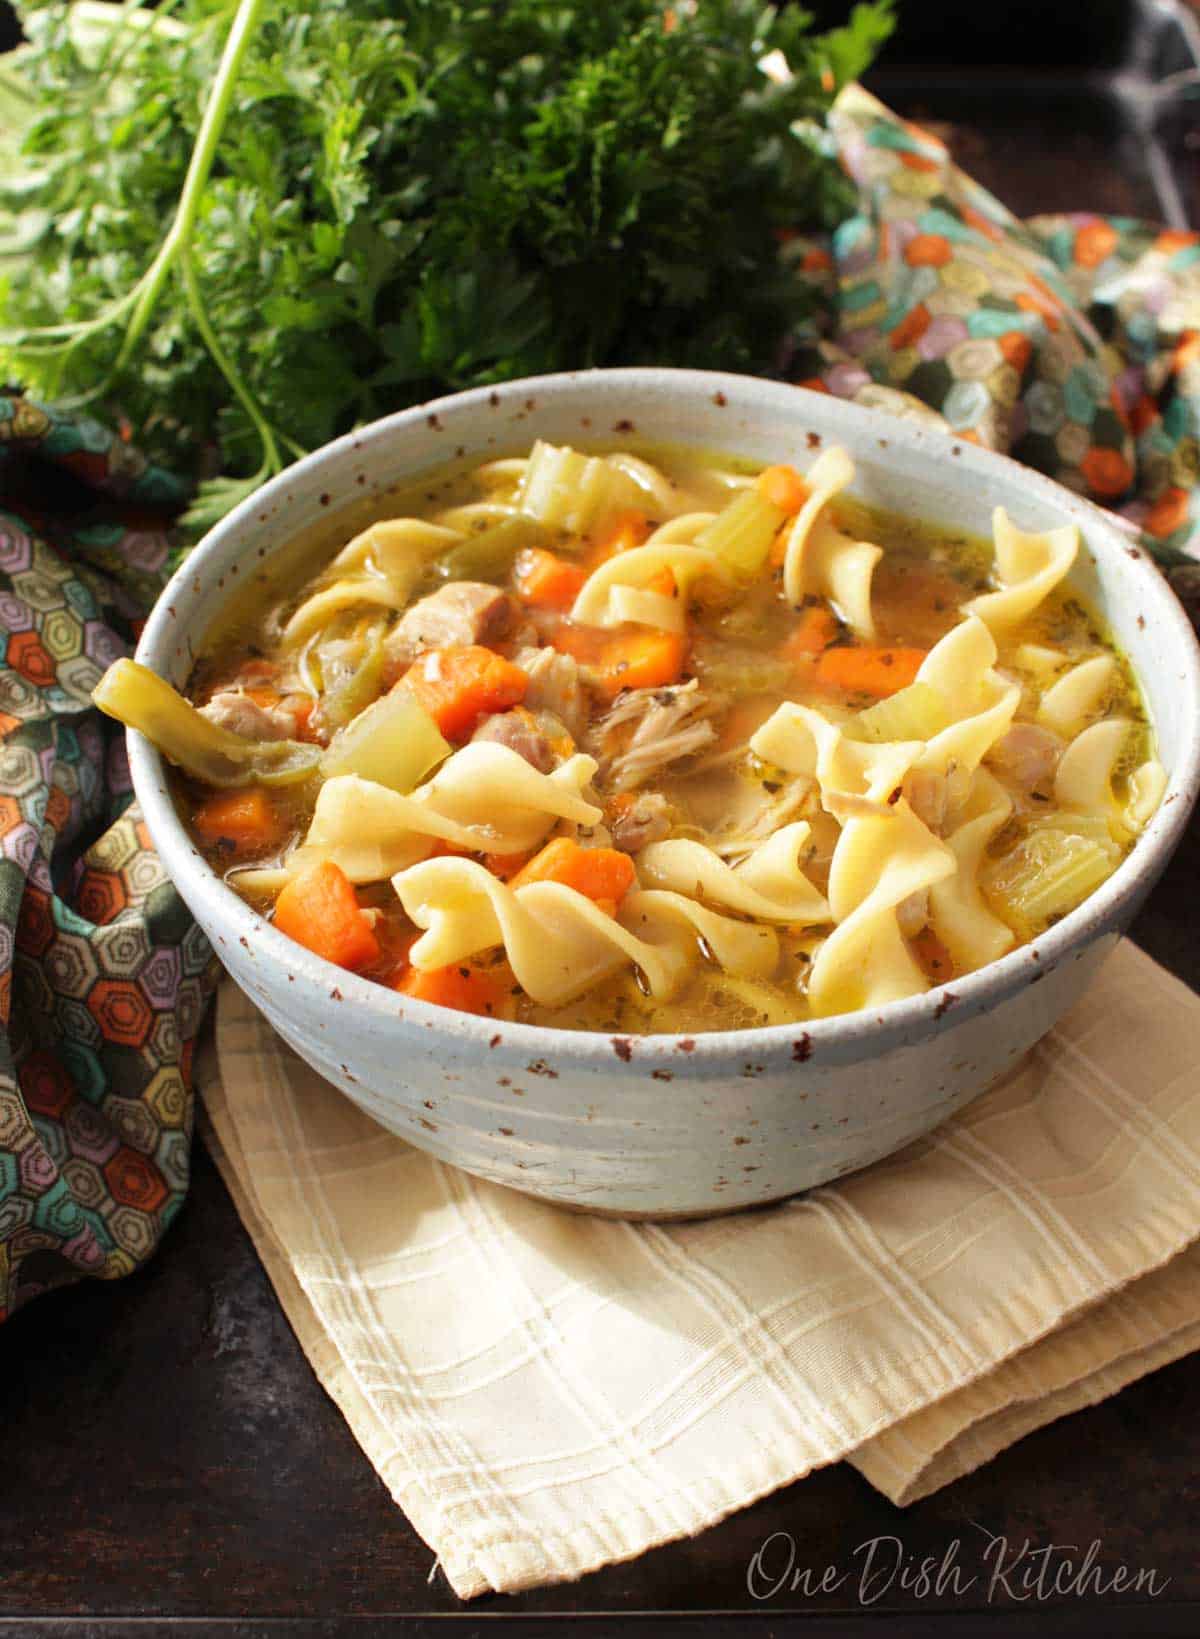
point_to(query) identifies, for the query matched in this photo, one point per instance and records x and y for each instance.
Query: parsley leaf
(246, 228)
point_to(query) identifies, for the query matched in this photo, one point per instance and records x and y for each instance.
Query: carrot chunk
(467, 989)
(241, 822)
(635, 657)
(625, 531)
(602, 874)
(319, 910)
(812, 634)
(547, 581)
(458, 686)
(506, 866)
(877, 672)
(783, 487)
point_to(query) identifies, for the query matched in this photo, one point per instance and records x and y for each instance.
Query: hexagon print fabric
(103, 974)
(1071, 342)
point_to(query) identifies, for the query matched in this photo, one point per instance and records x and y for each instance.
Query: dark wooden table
(170, 1465)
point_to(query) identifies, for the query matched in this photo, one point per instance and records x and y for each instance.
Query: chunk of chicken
(1027, 755)
(637, 819)
(555, 686)
(237, 712)
(648, 729)
(464, 612)
(521, 732)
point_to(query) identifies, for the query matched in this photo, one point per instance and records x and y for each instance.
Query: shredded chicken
(638, 819)
(649, 728)
(928, 796)
(555, 686)
(237, 712)
(464, 612)
(1027, 755)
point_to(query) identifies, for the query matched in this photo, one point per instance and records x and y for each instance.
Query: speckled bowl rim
(907, 1021)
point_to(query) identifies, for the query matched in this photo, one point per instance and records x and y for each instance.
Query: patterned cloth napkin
(545, 1392)
(1074, 342)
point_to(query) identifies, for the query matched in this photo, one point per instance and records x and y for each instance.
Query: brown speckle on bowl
(802, 1049)
(623, 1048)
(1141, 621)
(430, 1126)
(687, 1045)
(813, 440)
(506, 1132)
(494, 1041)
(434, 421)
(741, 1140)
(335, 995)
(428, 1103)
(946, 1002)
(624, 426)
(493, 399)
(662, 1075)
(539, 1067)
(504, 1081)
(720, 400)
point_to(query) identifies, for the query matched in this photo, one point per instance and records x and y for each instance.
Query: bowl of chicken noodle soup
(657, 791)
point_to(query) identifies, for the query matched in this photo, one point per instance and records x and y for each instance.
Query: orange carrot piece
(458, 686)
(547, 581)
(935, 960)
(877, 672)
(319, 910)
(812, 634)
(598, 873)
(633, 657)
(242, 822)
(467, 989)
(506, 866)
(784, 488)
(625, 531)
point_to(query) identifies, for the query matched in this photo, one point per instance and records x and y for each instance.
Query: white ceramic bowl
(663, 1125)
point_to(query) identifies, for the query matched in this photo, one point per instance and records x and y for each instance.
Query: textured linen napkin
(544, 1392)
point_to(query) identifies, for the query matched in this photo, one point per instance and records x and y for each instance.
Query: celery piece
(742, 532)
(140, 699)
(394, 742)
(741, 673)
(917, 712)
(489, 554)
(566, 490)
(1046, 875)
(342, 704)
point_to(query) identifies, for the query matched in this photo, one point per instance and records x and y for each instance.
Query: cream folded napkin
(544, 1393)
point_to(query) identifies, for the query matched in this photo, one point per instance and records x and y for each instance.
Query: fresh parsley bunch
(246, 227)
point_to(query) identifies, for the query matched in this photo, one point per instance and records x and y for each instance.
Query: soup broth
(648, 742)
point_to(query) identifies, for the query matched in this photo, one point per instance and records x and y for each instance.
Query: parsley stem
(149, 287)
(271, 459)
